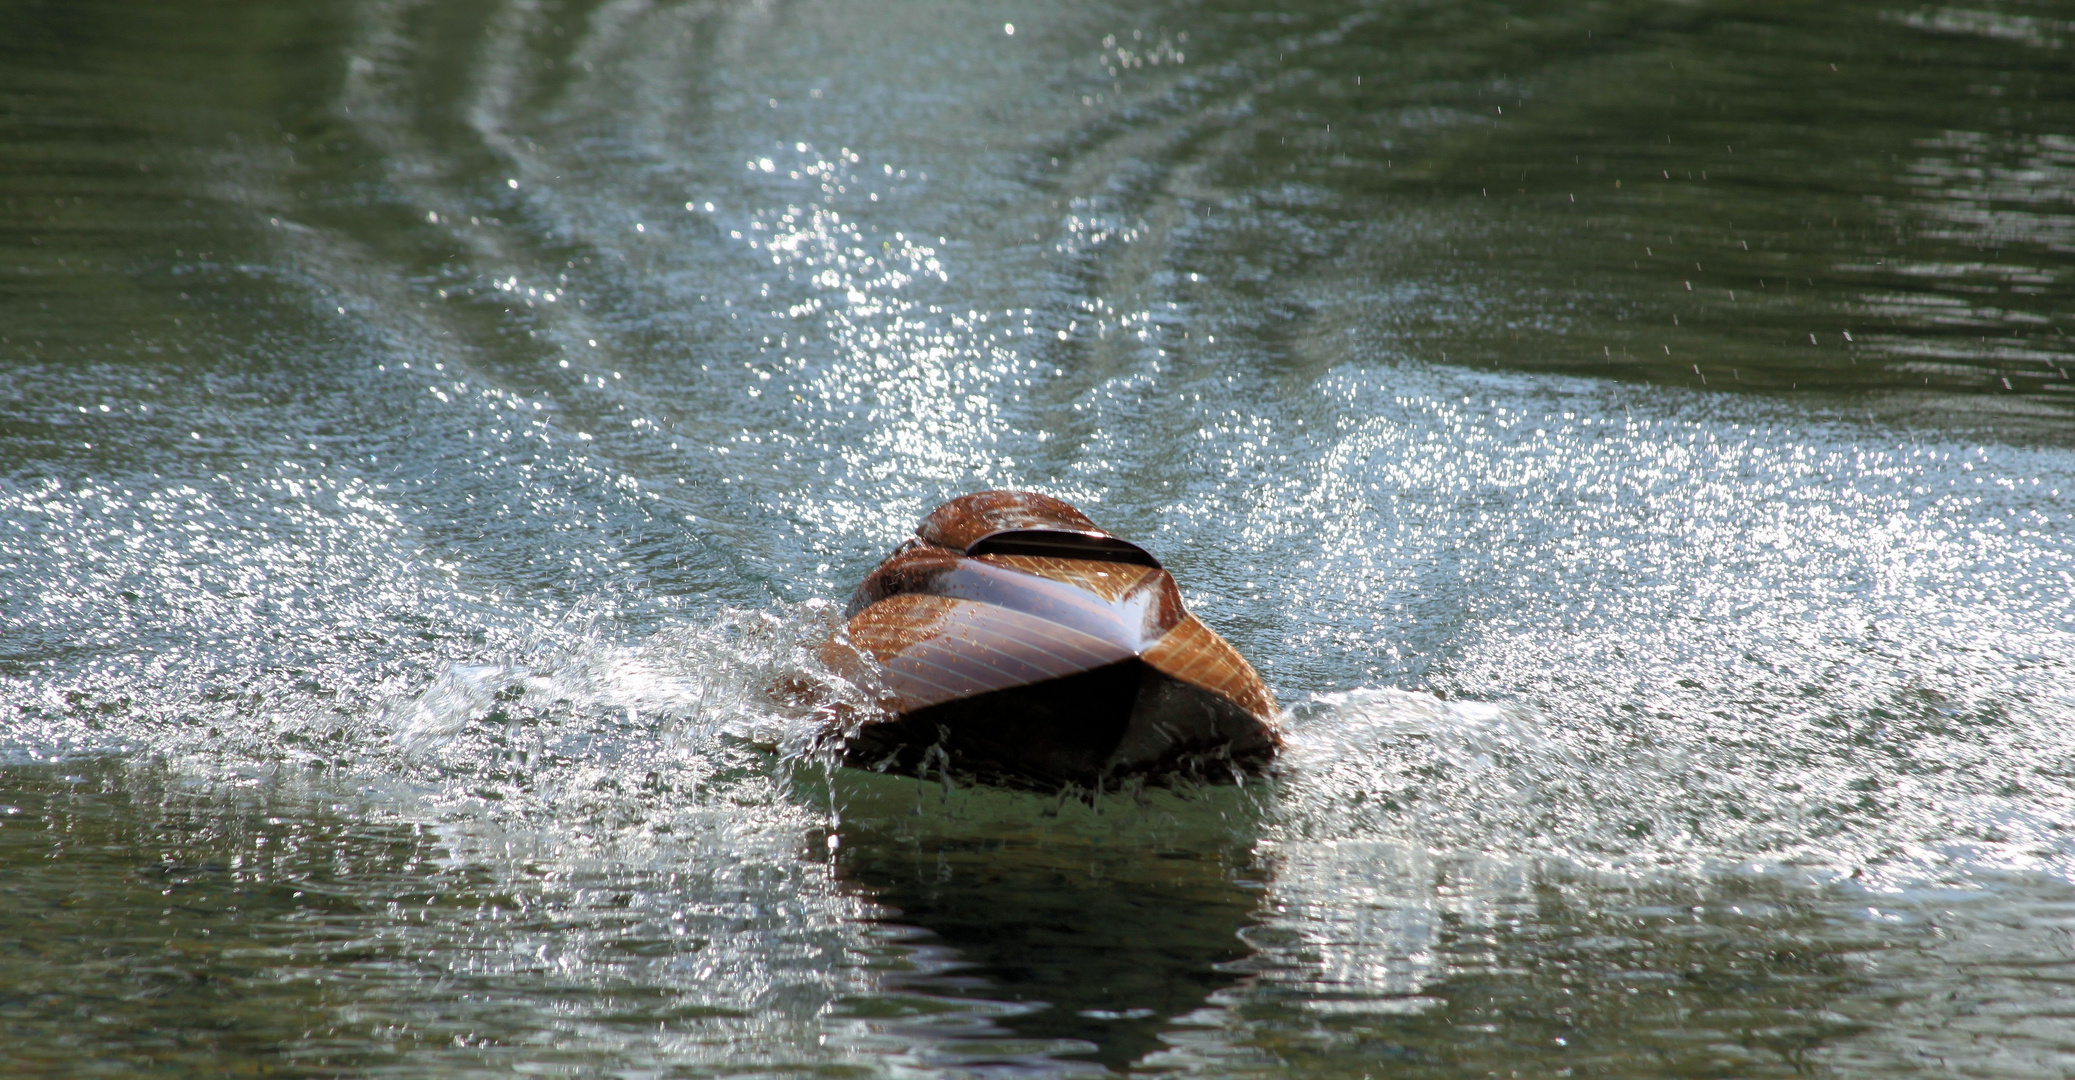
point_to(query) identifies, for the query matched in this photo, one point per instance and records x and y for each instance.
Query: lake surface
(1632, 439)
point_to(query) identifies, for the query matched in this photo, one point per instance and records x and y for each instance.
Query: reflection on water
(1633, 437)
(156, 925)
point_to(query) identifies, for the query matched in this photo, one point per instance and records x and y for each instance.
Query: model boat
(1012, 642)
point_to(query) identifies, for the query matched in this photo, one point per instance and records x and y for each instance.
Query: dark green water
(1631, 438)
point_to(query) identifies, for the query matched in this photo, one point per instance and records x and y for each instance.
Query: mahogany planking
(1016, 643)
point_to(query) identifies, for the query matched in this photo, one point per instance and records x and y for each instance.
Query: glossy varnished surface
(1023, 523)
(962, 522)
(933, 649)
(1194, 653)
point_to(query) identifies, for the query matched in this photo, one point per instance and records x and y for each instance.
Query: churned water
(1631, 438)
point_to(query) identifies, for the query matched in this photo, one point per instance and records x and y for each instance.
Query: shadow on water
(1104, 925)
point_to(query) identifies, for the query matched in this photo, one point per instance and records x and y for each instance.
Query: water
(1631, 438)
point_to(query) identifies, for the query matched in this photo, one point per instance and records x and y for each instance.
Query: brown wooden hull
(1042, 653)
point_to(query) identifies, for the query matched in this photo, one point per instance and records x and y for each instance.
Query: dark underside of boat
(1093, 731)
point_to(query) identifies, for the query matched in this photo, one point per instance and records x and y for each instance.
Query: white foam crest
(629, 730)
(1463, 779)
(1405, 818)
(1440, 775)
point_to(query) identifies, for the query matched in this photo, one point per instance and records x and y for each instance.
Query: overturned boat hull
(1014, 643)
